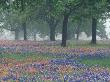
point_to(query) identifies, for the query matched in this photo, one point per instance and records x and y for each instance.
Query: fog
(10, 35)
(108, 27)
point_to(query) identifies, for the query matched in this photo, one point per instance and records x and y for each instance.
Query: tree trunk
(64, 30)
(70, 35)
(94, 26)
(77, 33)
(52, 26)
(34, 36)
(25, 31)
(52, 33)
(16, 35)
(78, 28)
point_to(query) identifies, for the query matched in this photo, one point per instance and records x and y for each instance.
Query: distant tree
(66, 9)
(95, 10)
(46, 15)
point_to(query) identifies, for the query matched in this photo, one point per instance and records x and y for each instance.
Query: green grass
(21, 57)
(87, 44)
(103, 62)
(13, 56)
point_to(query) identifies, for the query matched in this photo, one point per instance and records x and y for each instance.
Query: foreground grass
(103, 62)
(87, 44)
(20, 57)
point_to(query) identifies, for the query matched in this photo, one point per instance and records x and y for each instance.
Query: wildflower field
(44, 61)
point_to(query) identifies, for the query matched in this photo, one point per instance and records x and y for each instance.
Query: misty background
(10, 35)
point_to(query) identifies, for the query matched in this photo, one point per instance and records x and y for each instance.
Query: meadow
(45, 61)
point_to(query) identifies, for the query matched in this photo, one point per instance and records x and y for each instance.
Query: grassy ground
(87, 44)
(20, 57)
(103, 62)
(74, 44)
